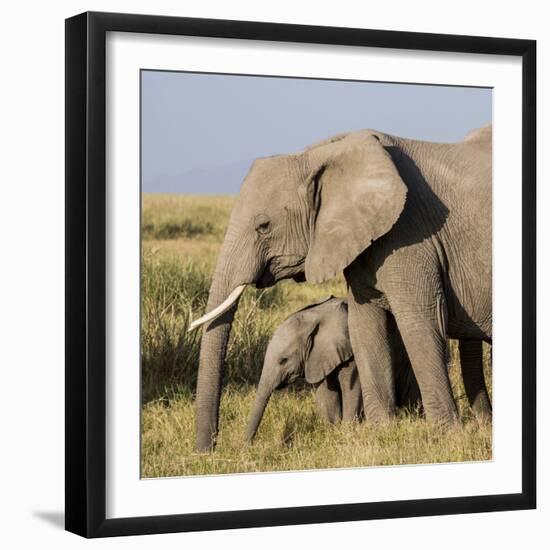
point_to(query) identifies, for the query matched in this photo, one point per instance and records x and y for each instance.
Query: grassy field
(181, 239)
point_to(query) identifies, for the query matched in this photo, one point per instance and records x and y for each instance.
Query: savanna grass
(166, 216)
(174, 293)
(293, 437)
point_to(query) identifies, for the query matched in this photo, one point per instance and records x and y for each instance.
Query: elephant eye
(262, 223)
(284, 360)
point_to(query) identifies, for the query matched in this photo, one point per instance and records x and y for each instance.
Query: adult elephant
(408, 221)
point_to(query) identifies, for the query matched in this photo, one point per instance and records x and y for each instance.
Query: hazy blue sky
(201, 132)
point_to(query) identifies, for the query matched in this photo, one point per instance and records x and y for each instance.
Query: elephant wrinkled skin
(409, 224)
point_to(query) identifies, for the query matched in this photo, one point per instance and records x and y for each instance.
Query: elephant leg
(471, 363)
(350, 389)
(328, 399)
(426, 347)
(406, 387)
(370, 341)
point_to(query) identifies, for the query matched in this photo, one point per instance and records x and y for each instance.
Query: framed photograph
(290, 250)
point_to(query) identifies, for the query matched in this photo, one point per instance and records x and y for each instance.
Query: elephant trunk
(233, 272)
(266, 386)
(212, 356)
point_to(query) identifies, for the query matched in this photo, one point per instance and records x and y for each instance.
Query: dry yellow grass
(176, 276)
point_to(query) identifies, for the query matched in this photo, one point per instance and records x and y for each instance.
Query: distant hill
(218, 180)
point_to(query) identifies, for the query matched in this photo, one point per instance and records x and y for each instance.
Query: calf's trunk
(266, 386)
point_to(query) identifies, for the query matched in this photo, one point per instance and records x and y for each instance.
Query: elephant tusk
(216, 312)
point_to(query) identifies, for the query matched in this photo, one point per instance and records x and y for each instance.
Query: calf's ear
(328, 346)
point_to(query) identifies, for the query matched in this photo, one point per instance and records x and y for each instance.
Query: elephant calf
(314, 344)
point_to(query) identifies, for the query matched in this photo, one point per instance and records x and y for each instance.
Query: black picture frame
(86, 268)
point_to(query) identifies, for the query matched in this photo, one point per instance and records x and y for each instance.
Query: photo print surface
(316, 274)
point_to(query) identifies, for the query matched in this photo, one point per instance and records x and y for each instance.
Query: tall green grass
(175, 293)
(171, 293)
(292, 436)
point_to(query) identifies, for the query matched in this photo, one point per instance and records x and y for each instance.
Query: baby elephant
(314, 344)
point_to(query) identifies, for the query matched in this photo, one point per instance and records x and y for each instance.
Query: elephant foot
(205, 445)
(379, 418)
(482, 410)
(447, 419)
(357, 417)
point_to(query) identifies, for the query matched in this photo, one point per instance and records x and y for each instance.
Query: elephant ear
(328, 345)
(356, 195)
